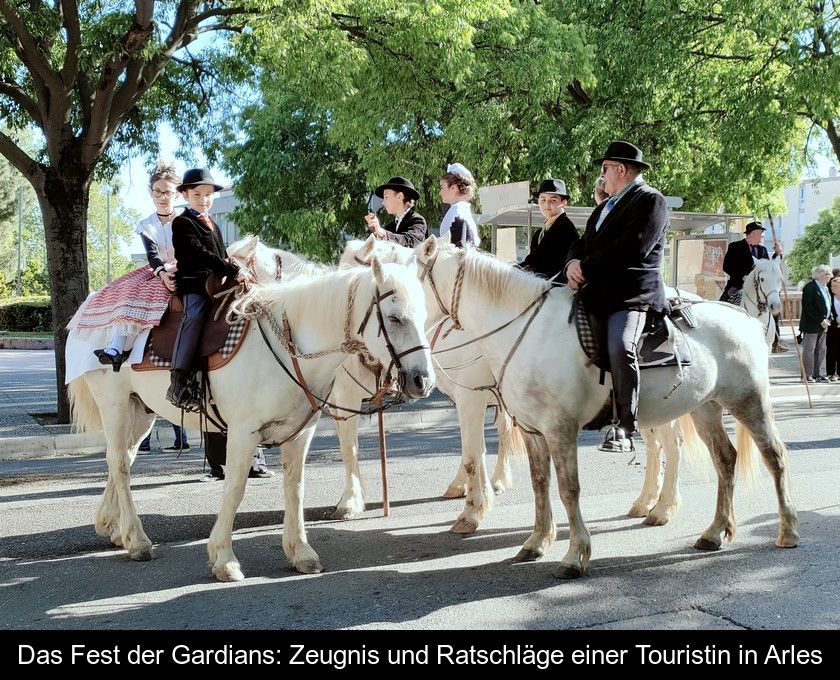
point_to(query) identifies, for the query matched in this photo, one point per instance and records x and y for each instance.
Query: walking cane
(383, 457)
(790, 321)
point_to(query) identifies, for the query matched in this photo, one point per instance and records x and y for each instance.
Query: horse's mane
(266, 262)
(504, 283)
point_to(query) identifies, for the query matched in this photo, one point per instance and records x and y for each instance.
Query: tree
(523, 90)
(294, 187)
(93, 79)
(819, 240)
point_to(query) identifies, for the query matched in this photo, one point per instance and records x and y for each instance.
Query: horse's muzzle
(416, 384)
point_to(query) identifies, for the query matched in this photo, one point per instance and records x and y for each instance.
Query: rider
(408, 228)
(616, 268)
(200, 252)
(550, 245)
(457, 188)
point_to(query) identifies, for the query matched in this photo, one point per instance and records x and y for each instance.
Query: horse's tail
(511, 442)
(83, 407)
(694, 449)
(747, 461)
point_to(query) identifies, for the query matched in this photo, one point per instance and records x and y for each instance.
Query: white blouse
(154, 230)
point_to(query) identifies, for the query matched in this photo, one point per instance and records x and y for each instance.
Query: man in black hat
(740, 259)
(408, 228)
(550, 245)
(615, 267)
(200, 251)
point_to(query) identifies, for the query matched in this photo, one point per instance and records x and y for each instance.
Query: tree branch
(27, 49)
(19, 96)
(70, 21)
(18, 157)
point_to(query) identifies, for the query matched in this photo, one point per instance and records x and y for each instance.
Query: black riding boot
(179, 387)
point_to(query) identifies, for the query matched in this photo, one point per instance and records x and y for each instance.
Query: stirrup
(616, 440)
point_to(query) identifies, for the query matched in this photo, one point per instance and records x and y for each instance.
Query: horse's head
(264, 263)
(393, 331)
(359, 252)
(766, 283)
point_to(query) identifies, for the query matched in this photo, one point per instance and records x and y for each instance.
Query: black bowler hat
(624, 152)
(753, 226)
(398, 184)
(553, 186)
(196, 176)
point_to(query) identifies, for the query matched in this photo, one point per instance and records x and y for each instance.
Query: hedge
(26, 314)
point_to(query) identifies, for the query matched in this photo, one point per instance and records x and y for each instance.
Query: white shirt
(463, 210)
(824, 290)
(155, 230)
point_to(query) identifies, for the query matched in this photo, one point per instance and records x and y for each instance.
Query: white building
(804, 202)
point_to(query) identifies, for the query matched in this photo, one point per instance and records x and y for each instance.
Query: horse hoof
(346, 512)
(656, 520)
(464, 526)
(454, 492)
(567, 573)
(143, 555)
(639, 509)
(500, 486)
(116, 538)
(787, 541)
(309, 567)
(706, 544)
(527, 555)
(228, 573)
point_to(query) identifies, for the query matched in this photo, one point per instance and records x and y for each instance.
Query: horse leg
(545, 531)
(347, 393)
(240, 450)
(125, 424)
(510, 441)
(651, 486)
(564, 453)
(755, 414)
(671, 436)
(458, 486)
(471, 408)
(295, 545)
(708, 420)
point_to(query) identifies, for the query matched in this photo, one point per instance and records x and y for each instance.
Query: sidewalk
(27, 388)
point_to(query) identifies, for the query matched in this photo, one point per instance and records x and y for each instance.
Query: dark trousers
(180, 437)
(832, 351)
(215, 450)
(196, 306)
(624, 329)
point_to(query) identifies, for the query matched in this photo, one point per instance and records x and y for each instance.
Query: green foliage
(813, 247)
(29, 314)
(122, 231)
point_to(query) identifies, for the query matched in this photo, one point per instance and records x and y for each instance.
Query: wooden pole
(383, 457)
(790, 321)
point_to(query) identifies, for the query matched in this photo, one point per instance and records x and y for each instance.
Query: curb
(26, 343)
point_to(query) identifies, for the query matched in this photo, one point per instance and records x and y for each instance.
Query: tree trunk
(833, 136)
(64, 206)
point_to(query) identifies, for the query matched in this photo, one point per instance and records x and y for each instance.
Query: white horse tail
(83, 407)
(695, 450)
(510, 436)
(747, 461)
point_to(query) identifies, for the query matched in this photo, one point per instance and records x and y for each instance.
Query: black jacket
(199, 252)
(622, 261)
(547, 257)
(814, 310)
(412, 232)
(738, 262)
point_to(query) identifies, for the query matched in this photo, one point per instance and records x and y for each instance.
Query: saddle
(219, 341)
(662, 344)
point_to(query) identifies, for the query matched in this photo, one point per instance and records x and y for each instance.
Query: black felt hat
(398, 184)
(624, 152)
(753, 226)
(196, 176)
(553, 186)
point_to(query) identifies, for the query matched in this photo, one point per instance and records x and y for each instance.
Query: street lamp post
(19, 290)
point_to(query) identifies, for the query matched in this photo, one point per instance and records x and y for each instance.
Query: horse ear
(378, 271)
(429, 247)
(370, 244)
(411, 263)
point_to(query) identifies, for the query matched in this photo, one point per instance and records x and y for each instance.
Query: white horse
(659, 500)
(553, 399)
(457, 374)
(460, 371)
(257, 396)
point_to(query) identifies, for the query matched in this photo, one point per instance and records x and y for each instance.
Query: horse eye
(393, 318)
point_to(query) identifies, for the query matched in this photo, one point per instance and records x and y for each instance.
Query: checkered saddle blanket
(662, 344)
